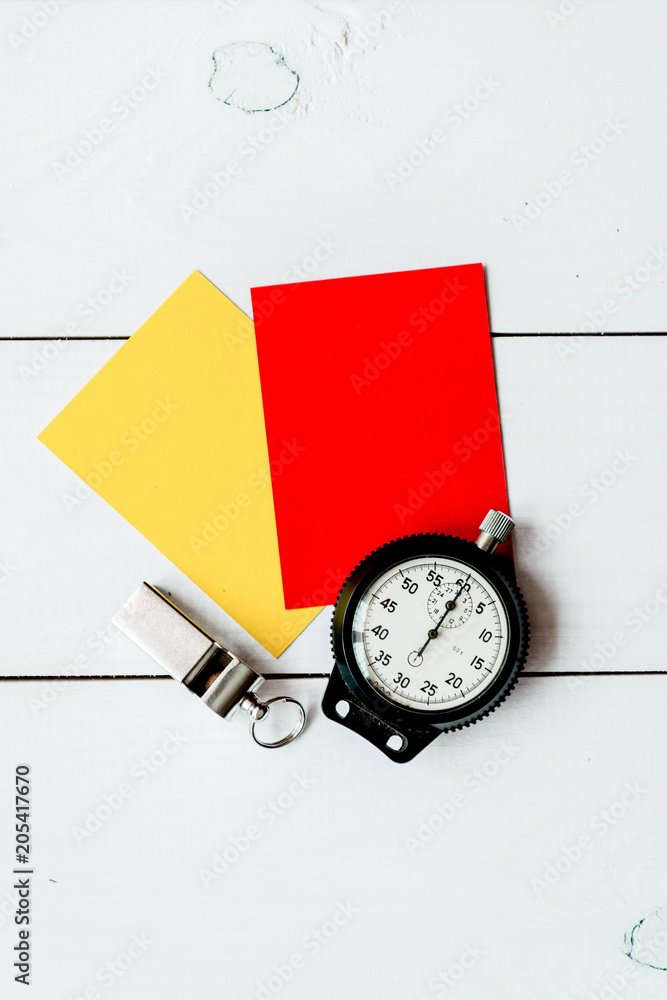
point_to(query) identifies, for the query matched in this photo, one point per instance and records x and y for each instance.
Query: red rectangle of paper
(381, 416)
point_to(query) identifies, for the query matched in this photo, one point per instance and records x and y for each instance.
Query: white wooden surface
(583, 427)
(434, 858)
(366, 99)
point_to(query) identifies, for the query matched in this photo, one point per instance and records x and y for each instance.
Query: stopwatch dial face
(405, 647)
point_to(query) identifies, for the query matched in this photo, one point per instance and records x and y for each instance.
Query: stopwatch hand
(449, 606)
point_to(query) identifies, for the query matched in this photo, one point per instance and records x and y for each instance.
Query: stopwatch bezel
(497, 573)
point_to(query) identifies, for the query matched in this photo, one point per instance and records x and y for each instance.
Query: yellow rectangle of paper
(171, 433)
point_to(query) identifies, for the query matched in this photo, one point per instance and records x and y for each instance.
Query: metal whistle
(223, 682)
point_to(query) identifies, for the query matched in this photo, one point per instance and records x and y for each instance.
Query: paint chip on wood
(252, 76)
(646, 943)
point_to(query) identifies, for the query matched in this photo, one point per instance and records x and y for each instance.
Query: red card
(381, 416)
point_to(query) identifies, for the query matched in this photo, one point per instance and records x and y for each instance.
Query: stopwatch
(429, 634)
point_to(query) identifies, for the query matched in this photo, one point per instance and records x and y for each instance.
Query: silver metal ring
(296, 731)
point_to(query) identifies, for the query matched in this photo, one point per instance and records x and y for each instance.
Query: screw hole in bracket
(397, 743)
(342, 709)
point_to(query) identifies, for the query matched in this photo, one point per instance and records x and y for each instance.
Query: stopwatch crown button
(494, 530)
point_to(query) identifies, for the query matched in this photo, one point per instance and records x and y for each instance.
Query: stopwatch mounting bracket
(364, 722)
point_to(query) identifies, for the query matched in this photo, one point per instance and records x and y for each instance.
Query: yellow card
(171, 433)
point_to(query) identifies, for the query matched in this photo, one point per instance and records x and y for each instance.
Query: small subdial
(437, 605)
